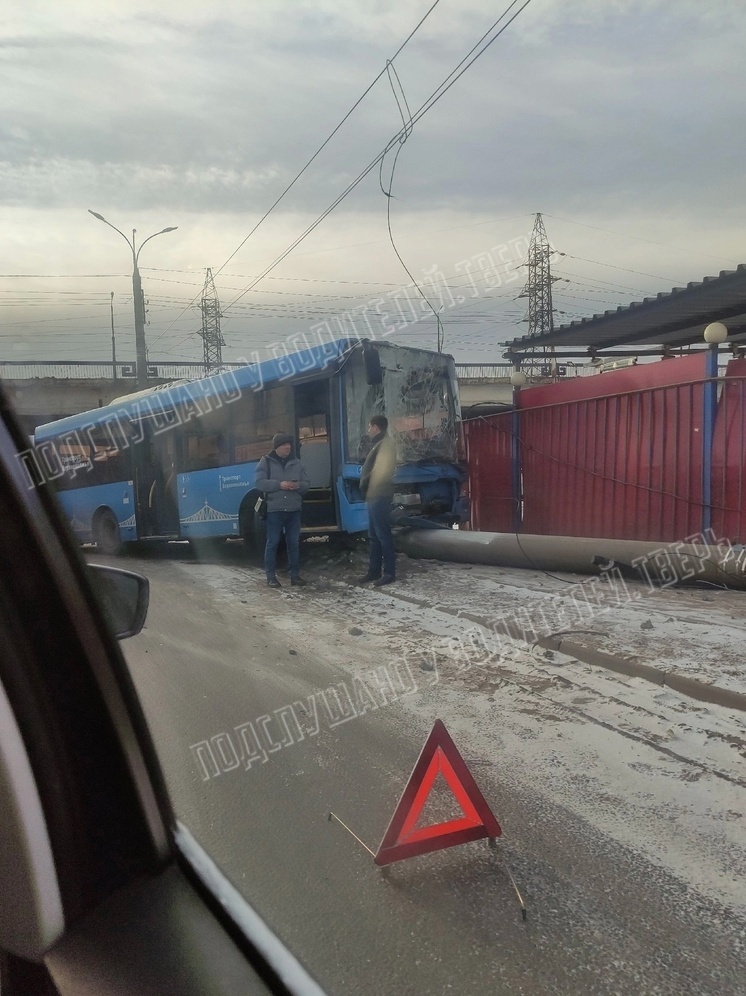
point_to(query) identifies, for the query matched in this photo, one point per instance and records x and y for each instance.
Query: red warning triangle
(402, 838)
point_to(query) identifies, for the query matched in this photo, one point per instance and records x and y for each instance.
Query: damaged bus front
(416, 390)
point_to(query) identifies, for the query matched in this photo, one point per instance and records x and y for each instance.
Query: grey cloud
(65, 183)
(54, 42)
(579, 109)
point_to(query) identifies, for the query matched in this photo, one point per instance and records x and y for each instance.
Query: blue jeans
(277, 523)
(380, 538)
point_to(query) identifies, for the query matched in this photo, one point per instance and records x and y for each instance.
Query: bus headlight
(412, 498)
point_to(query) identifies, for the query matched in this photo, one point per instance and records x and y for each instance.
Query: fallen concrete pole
(666, 563)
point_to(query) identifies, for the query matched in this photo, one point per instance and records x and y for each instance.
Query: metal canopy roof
(672, 318)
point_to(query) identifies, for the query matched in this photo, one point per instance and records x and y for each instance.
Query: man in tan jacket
(377, 487)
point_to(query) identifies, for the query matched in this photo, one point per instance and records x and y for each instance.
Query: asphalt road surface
(613, 907)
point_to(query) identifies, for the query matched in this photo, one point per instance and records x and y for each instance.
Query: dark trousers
(277, 523)
(380, 538)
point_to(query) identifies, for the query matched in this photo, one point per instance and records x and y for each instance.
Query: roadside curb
(691, 687)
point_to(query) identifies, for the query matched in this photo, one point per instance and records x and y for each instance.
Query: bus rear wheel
(254, 534)
(106, 533)
(253, 527)
(260, 534)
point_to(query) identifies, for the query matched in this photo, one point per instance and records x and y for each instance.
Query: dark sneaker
(367, 578)
(386, 579)
(298, 582)
(273, 583)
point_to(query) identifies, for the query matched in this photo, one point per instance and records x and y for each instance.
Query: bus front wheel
(106, 533)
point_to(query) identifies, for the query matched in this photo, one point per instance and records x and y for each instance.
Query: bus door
(154, 469)
(312, 431)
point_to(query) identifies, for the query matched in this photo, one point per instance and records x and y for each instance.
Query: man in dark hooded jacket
(283, 481)
(377, 487)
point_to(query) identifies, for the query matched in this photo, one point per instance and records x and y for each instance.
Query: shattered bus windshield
(417, 397)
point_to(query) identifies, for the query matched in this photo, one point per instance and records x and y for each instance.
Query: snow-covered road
(650, 768)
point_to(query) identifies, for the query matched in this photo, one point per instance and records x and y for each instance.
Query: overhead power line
(326, 141)
(434, 97)
(65, 276)
(625, 269)
(637, 238)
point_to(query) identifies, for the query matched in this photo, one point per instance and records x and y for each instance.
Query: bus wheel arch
(105, 531)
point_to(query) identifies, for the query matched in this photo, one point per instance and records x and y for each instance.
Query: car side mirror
(123, 597)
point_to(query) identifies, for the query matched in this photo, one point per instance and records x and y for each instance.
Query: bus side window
(203, 452)
(95, 459)
(206, 442)
(110, 463)
(246, 445)
(256, 417)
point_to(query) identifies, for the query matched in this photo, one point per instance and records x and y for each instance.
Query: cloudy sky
(622, 121)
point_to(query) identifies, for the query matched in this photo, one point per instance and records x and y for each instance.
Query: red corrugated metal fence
(648, 452)
(489, 456)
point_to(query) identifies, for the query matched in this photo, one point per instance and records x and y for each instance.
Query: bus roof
(253, 376)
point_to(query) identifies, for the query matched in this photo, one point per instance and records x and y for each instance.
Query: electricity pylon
(212, 340)
(538, 288)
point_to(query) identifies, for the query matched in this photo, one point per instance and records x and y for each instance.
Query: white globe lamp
(518, 378)
(716, 333)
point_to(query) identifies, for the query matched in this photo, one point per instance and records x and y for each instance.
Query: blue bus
(178, 462)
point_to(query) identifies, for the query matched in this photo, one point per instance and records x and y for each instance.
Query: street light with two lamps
(140, 349)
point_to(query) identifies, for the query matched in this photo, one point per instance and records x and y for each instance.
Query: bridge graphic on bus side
(128, 522)
(209, 514)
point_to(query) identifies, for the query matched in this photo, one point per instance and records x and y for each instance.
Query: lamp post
(517, 381)
(140, 349)
(113, 341)
(715, 334)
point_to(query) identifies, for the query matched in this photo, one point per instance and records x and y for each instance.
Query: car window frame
(65, 637)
